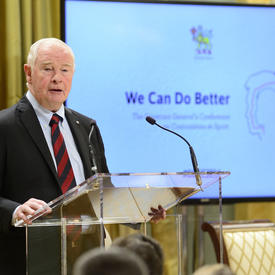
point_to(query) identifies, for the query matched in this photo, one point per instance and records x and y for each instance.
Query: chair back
(248, 246)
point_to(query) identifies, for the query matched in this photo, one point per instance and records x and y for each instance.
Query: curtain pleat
(22, 23)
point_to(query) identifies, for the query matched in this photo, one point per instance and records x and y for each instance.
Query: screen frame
(190, 201)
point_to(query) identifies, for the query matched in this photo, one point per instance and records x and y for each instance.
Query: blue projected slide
(204, 71)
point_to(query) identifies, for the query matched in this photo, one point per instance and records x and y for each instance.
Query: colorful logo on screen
(202, 37)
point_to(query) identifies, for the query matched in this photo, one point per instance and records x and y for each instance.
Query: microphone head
(150, 120)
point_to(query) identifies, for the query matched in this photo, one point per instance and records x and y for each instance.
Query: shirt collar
(44, 114)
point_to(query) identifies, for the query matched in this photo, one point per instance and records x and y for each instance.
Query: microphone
(152, 121)
(91, 149)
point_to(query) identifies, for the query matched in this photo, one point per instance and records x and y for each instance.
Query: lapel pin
(77, 122)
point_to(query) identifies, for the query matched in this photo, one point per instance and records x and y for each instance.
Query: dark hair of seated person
(147, 248)
(115, 261)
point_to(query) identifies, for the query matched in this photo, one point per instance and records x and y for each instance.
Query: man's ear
(28, 73)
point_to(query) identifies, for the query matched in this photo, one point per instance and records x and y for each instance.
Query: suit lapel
(81, 140)
(32, 125)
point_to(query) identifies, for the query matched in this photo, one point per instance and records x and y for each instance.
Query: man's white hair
(45, 41)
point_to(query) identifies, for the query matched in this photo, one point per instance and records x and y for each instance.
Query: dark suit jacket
(27, 171)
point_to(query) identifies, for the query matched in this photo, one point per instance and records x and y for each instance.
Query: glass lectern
(76, 224)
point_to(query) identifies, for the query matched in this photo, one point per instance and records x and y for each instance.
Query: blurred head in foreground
(115, 261)
(148, 249)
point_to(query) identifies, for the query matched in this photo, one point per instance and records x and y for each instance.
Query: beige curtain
(251, 211)
(22, 22)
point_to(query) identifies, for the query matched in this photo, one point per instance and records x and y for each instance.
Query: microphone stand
(152, 121)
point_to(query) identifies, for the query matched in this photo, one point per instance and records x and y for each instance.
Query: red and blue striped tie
(64, 167)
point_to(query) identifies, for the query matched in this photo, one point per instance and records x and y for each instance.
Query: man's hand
(29, 208)
(157, 214)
